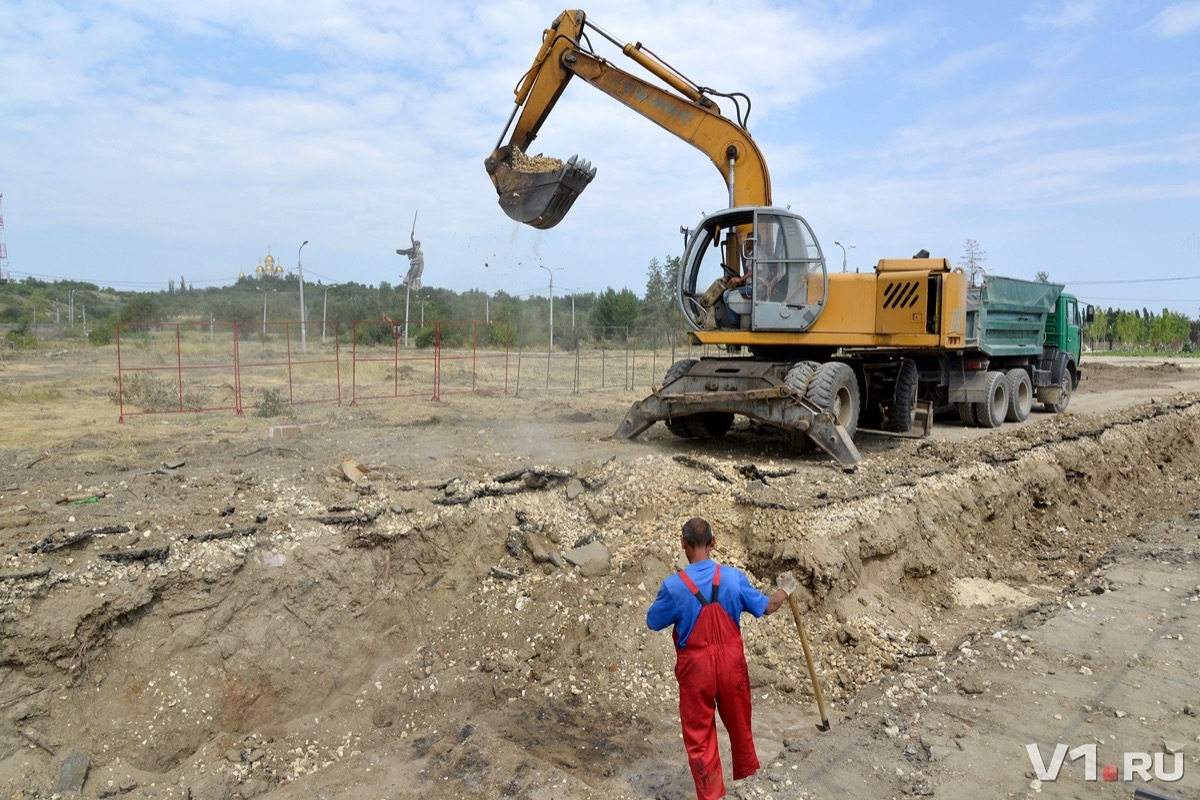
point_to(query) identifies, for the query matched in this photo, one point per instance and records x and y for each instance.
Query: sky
(143, 141)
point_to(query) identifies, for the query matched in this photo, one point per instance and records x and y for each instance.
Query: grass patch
(29, 395)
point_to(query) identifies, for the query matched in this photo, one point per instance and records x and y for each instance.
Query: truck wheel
(1020, 395)
(991, 412)
(834, 388)
(903, 411)
(708, 424)
(1066, 384)
(800, 376)
(680, 426)
(966, 414)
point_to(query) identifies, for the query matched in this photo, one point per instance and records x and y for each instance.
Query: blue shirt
(676, 605)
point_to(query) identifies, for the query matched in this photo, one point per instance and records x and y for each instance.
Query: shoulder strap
(716, 584)
(692, 587)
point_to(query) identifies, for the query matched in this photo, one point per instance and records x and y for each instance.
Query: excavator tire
(708, 424)
(903, 411)
(800, 375)
(1020, 395)
(991, 412)
(680, 426)
(834, 388)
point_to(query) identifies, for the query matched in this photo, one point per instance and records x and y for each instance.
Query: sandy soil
(191, 609)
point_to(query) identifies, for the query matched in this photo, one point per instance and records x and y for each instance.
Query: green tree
(1097, 330)
(614, 314)
(1126, 329)
(141, 308)
(660, 291)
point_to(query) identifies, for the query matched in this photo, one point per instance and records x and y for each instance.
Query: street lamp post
(325, 311)
(551, 273)
(71, 307)
(300, 269)
(839, 244)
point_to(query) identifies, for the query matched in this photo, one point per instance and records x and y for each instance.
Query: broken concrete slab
(73, 772)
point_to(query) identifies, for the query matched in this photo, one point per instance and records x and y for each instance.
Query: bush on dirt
(272, 404)
(153, 394)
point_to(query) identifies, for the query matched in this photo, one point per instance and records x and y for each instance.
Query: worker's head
(748, 247)
(697, 532)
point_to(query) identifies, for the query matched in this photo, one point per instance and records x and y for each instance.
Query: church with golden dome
(266, 266)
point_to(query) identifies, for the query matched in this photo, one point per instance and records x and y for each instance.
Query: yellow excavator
(824, 352)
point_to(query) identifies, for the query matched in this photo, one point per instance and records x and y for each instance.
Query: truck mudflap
(779, 406)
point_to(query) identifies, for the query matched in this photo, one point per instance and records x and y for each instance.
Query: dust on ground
(191, 609)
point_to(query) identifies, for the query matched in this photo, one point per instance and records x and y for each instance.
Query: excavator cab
(536, 190)
(789, 282)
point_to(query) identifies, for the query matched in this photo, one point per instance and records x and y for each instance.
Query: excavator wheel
(680, 427)
(903, 410)
(834, 388)
(708, 424)
(800, 376)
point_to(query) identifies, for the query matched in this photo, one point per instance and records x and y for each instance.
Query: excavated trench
(264, 657)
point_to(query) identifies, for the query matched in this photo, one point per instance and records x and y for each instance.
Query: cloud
(1179, 19)
(1072, 14)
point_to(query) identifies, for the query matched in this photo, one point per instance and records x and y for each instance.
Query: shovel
(812, 670)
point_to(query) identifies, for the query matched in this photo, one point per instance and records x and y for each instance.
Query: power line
(1135, 280)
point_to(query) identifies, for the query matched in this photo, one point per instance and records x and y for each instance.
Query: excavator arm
(539, 191)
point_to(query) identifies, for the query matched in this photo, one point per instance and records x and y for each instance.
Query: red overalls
(712, 673)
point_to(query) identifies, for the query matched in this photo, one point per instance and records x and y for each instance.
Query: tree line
(598, 317)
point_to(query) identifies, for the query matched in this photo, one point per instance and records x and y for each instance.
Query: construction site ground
(447, 599)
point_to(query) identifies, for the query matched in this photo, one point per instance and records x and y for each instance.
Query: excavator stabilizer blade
(538, 191)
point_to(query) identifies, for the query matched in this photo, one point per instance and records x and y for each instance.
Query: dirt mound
(231, 620)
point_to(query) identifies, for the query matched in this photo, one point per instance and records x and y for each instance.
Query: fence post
(576, 389)
(517, 390)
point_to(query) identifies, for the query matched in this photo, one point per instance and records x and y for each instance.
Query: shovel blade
(539, 199)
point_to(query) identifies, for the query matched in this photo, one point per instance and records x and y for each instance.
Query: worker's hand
(787, 582)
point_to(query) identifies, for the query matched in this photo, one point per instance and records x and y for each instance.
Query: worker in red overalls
(705, 603)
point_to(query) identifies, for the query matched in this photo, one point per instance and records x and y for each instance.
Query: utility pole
(300, 269)
(551, 272)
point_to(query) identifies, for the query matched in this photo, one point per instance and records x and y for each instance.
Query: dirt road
(191, 609)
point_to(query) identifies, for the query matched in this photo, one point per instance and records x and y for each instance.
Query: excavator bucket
(537, 190)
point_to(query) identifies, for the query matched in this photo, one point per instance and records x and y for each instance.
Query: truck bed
(1007, 316)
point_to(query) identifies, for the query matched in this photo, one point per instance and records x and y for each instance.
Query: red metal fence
(174, 368)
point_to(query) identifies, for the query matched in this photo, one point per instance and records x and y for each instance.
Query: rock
(538, 546)
(593, 559)
(924, 636)
(938, 747)
(848, 634)
(599, 512)
(574, 488)
(73, 772)
(212, 785)
(971, 684)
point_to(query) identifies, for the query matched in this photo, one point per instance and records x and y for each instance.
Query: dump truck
(812, 353)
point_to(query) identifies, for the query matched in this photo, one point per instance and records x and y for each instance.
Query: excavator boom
(539, 191)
